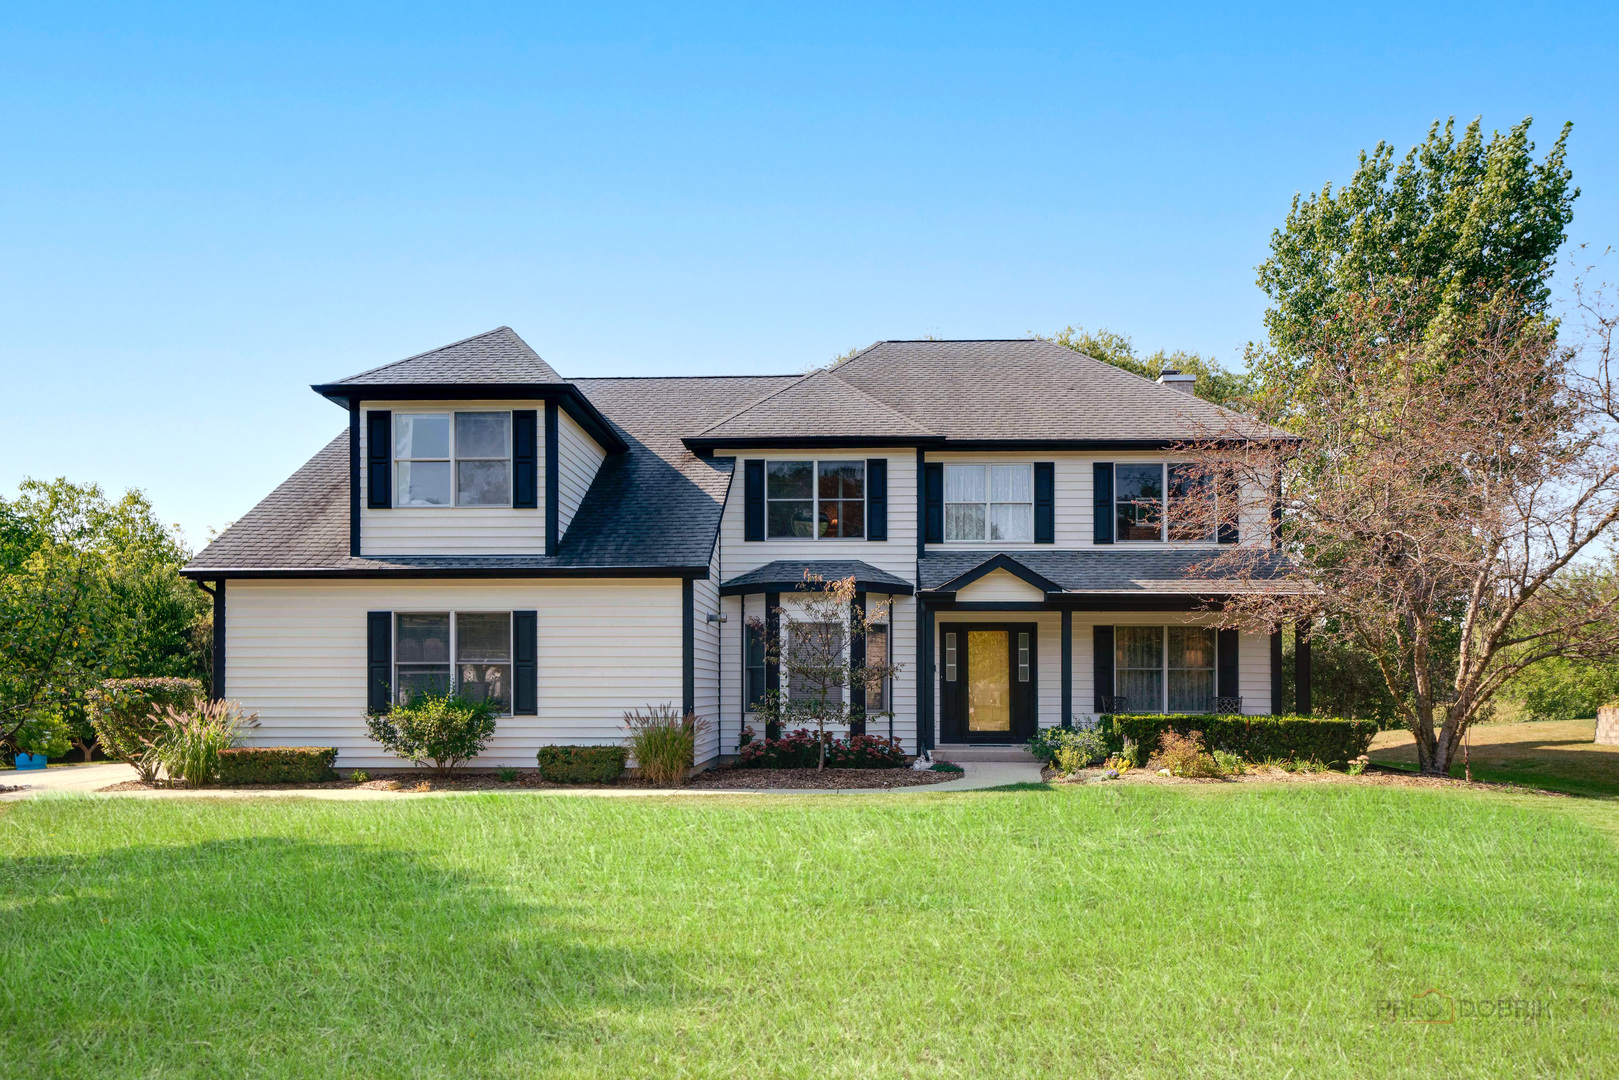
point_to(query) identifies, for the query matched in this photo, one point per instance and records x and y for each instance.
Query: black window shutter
(753, 503)
(379, 640)
(876, 498)
(379, 439)
(1102, 486)
(1225, 505)
(525, 663)
(1045, 502)
(934, 494)
(525, 459)
(1226, 675)
(1102, 673)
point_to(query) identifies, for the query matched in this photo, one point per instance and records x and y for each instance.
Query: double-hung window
(1158, 501)
(453, 459)
(989, 502)
(480, 643)
(754, 665)
(1158, 664)
(877, 653)
(811, 499)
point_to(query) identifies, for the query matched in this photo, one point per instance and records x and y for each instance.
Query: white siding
(578, 458)
(897, 554)
(706, 643)
(1000, 585)
(1073, 476)
(296, 655)
(450, 530)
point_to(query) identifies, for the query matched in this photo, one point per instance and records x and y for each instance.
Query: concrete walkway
(87, 779)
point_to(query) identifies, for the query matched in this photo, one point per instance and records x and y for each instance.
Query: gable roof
(495, 356)
(788, 575)
(975, 393)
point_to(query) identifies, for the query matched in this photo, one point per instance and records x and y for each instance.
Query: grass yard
(1552, 754)
(1102, 930)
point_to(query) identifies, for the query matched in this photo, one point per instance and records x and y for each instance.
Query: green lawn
(1559, 755)
(1110, 931)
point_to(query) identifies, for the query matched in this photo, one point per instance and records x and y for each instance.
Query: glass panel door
(989, 681)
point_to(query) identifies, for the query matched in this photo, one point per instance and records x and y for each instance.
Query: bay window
(989, 502)
(453, 459)
(815, 499)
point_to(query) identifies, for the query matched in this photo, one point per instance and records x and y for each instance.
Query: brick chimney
(1176, 381)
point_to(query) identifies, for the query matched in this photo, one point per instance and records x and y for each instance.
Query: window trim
(1163, 661)
(815, 464)
(454, 461)
(453, 663)
(1212, 540)
(988, 504)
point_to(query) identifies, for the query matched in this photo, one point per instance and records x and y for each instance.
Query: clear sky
(204, 209)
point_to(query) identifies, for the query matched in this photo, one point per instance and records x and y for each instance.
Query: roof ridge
(627, 378)
(441, 348)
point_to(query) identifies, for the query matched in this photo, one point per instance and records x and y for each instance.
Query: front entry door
(987, 680)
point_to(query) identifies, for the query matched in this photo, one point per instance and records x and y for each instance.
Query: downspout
(216, 691)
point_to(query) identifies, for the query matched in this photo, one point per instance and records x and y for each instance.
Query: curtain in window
(964, 502)
(1139, 667)
(422, 656)
(483, 653)
(1191, 669)
(1011, 496)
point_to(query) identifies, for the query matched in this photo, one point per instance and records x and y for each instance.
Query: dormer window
(459, 459)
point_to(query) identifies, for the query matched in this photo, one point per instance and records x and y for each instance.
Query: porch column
(1067, 668)
(1301, 667)
(1278, 684)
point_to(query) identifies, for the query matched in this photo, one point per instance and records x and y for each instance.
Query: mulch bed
(819, 778)
(723, 778)
(1373, 775)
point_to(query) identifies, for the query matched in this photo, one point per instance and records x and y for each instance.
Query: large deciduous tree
(89, 589)
(1214, 383)
(1446, 504)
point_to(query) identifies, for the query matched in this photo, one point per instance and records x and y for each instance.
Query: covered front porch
(1011, 643)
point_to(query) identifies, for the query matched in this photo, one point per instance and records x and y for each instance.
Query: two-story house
(576, 548)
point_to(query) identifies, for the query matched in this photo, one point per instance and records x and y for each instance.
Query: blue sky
(205, 209)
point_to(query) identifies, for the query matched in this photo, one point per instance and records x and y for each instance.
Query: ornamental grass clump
(446, 730)
(664, 742)
(188, 742)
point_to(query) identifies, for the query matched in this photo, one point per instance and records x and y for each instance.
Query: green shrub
(44, 732)
(359, 776)
(507, 775)
(445, 730)
(581, 764)
(189, 742)
(664, 742)
(125, 716)
(276, 764)
(1069, 749)
(1255, 738)
(1186, 755)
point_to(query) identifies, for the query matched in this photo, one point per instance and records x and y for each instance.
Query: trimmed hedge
(581, 764)
(276, 764)
(1256, 738)
(123, 713)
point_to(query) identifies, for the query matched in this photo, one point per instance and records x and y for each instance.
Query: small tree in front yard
(812, 653)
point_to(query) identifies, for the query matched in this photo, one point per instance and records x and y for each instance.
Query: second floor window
(453, 459)
(815, 499)
(989, 502)
(1158, 502)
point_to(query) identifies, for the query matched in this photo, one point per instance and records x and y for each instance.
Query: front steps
(963, 753)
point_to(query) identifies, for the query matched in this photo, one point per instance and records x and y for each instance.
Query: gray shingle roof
(785, 575)
(497, 356)
(1112, 572)
(818, 404)
(657, 505)
(1018, 390)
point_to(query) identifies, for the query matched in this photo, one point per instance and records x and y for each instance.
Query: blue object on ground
(30, 761)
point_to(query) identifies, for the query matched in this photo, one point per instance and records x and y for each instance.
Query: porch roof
(786, 575)
(1171, 572)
